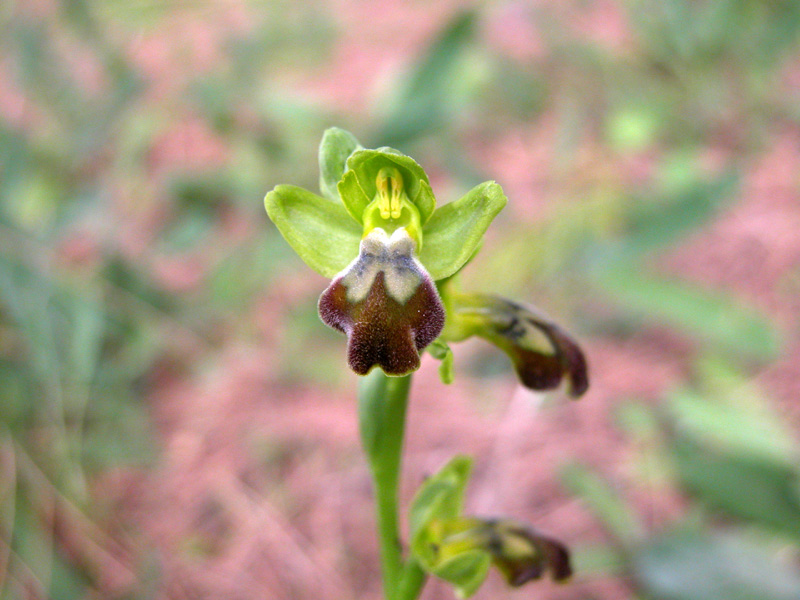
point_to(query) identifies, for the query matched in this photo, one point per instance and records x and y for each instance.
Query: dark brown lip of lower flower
(555, 559)
(380, 330)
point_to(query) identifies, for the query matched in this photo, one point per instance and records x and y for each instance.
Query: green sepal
(352, 196)
(466, 572)
(441, 351)
(441, 496)
(334, 149)
(321, 232)
(455, 230)
(366, 164)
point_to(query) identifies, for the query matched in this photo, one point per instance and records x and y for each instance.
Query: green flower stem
(382, 404)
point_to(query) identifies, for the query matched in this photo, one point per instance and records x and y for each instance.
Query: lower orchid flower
(461, 549)
(519, 552)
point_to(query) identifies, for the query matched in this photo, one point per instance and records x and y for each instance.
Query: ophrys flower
(377, 233)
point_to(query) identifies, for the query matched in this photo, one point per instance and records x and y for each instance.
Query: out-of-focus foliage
(128, 256)
(738, 466)
(94, 219)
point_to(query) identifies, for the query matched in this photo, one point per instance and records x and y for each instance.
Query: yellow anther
(389, 183)
(391, 208)
(396, 201)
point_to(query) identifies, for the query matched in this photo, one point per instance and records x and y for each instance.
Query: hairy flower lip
(386, 304)
(568, 361)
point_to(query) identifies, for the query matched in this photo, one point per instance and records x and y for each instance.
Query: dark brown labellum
(386, 304)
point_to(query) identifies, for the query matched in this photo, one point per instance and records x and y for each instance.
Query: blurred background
(176, 422)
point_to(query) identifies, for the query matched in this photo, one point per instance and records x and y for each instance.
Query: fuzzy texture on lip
(387, 305)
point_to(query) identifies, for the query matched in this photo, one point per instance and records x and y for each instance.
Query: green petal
(455, 230)
(353, 197)
(321, 232)
(441, 496)
(336, 145)
(424, 201)
(366, 164)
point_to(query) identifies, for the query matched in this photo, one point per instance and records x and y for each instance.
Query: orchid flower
(392, 254)
(461, 549)
(376, 233)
